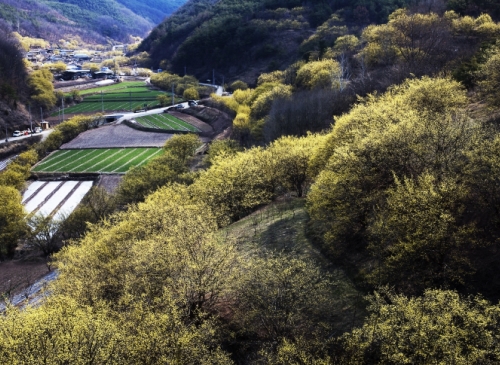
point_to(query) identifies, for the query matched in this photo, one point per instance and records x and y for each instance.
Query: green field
(114, 87)
(111, 160)
(123, 96)
(165, 121)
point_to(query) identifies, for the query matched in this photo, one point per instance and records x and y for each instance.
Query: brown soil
(202, 126)
(117, 136)
(109, 182)
(219, 121)
(16, 275)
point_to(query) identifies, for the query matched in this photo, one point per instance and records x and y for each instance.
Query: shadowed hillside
(245, 38)
(92, 20)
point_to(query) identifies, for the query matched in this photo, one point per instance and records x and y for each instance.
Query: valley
(276, 182)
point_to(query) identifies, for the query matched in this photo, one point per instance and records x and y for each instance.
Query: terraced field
(114, 87)
(111, 160)
(117, 97)
(167, 122)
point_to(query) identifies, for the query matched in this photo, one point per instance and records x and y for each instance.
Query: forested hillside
(245, 38)
(93, 21)
(153, 10)
(14, 90)
(353, 217)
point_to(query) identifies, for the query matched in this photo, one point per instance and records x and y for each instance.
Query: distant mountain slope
(242, 38)
(92, 20)
(153, 10)
(231, 36)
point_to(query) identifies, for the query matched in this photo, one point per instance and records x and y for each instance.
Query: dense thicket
(340, 67)
(402, 194)
(406, 179)
(163, 264)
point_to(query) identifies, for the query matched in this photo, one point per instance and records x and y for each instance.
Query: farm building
(74, 74)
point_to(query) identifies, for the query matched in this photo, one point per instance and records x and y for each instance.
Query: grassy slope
(281, 226)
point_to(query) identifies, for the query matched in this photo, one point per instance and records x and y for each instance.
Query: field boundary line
(146, 121)
(93, 158)
(150, 157)
(24, 202)
(139, 155)
(174, 121)
(168, 118)
(162, 122)
(52, 193)
(59, 206)
(62, 161)
(69, 157)
(107, 158)
(61, 154)
(125, 155)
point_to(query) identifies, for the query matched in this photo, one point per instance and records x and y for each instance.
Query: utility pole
(31, 120)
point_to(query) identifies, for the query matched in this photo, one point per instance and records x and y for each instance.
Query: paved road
(218, 88)
(44, 136)
(4, 163)
(125, 116)
(129, 116)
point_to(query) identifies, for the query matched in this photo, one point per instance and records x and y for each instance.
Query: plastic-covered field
(110, 160)
(72, 202)
(167, 122)
(55, 198)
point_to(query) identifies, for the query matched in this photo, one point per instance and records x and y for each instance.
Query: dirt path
(18, 276)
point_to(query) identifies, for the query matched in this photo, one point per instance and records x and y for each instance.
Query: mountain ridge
(232, 36)
(91, 20)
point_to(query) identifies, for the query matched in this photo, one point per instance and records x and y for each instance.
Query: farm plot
(111, 160)
(55, 198)
(117, 97)
(167, 122)
(125, 86)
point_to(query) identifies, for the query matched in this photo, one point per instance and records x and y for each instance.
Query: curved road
(44, 134)
(128, 116)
